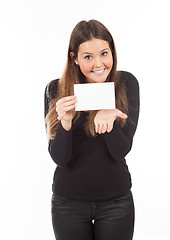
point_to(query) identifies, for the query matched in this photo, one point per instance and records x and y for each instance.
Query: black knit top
(94, 168)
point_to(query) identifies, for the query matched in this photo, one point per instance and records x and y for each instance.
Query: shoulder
(131, 85)
(128, 79)
(52, 88)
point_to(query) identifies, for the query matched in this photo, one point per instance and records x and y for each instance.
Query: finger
(97, 128)
(65, 109)
(62, 104)
(66, 99)
(104, 128)
(121, 114)
(69, 103)
(100, 128)
(109, 127)
(66, 104)
(124, 116)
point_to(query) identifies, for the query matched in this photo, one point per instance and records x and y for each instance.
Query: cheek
(109, 63)
(85, 68)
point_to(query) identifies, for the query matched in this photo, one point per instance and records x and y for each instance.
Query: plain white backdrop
(34, 36)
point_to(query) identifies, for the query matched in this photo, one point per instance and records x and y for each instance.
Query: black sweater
(94, 168)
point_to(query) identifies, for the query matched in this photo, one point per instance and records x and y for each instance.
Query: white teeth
(100, 71)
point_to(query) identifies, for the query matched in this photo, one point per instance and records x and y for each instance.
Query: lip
(99, 72)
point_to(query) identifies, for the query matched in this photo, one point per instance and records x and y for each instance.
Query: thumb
(122, 115)
(61, 116)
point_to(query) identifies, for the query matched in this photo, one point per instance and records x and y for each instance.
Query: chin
(97, 80)
(100, 80)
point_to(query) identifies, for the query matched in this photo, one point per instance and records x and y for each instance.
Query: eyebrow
(92, 53)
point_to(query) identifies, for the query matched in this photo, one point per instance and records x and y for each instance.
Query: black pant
(83, 220)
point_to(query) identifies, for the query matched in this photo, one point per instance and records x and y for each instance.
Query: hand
(104, 120)
(64, 109)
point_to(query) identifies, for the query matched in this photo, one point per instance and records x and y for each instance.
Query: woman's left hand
(104, 120)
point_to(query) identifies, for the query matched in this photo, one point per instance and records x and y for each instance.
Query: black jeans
(83, 220)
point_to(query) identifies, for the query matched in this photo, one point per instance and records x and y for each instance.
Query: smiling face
(95, 60)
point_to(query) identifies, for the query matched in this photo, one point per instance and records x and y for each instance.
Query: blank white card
(94, 96)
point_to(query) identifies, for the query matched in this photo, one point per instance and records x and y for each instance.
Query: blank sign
(94, 96)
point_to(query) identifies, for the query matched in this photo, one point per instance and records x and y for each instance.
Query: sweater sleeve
(119, 140)
(60, 148)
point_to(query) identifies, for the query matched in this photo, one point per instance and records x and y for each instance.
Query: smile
(99, 72)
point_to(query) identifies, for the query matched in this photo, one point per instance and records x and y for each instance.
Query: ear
(72, 55)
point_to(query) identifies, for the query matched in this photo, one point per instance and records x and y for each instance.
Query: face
(95, 60)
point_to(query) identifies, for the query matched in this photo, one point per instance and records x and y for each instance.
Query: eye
(88, 57)
(104, 54)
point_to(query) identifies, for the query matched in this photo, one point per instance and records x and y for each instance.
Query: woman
(91, 186)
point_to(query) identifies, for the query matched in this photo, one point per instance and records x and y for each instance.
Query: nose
(97, 62)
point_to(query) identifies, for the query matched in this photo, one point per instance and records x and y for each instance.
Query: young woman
(91, 186)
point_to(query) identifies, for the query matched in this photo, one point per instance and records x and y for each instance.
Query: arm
(119, 140)
(60, 148)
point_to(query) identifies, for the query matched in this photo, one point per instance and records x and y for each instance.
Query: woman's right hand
(64, 109)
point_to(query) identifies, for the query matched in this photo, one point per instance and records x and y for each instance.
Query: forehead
(93, 45)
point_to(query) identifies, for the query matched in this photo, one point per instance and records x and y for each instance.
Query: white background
(33, 46)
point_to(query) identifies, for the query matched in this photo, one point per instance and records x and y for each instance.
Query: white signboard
(94, 96)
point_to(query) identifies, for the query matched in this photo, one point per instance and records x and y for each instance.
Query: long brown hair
(84, 31)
